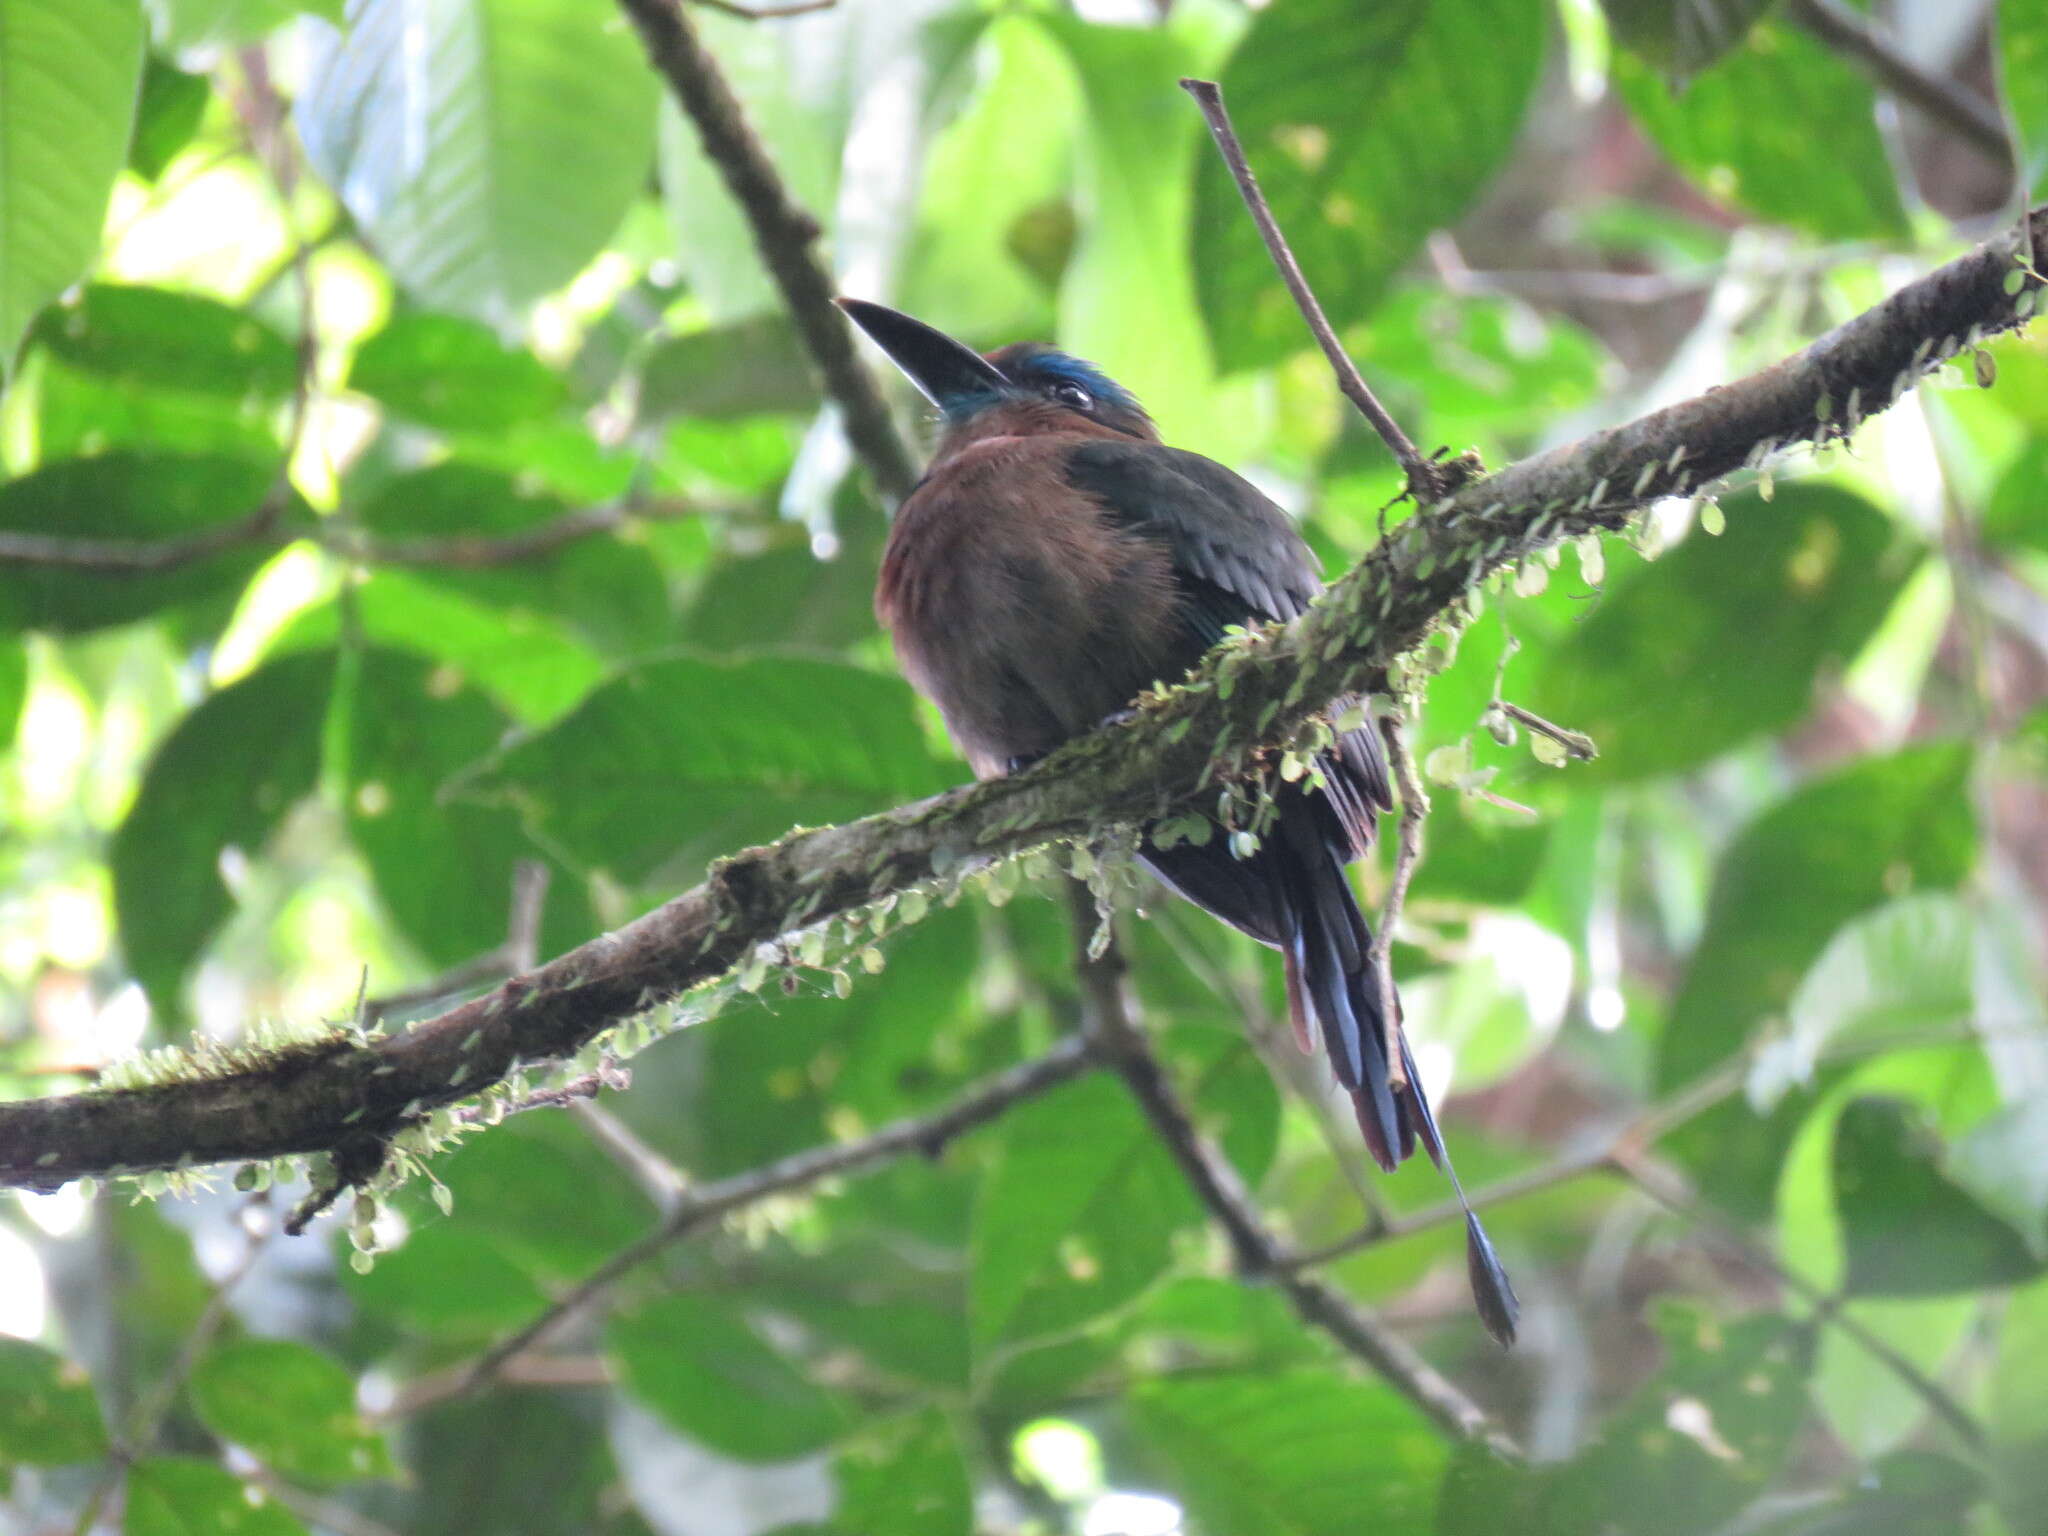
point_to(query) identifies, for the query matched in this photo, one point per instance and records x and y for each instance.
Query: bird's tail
(1333, 989)
(1292, 894)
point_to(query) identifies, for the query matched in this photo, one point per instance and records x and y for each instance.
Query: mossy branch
(343, 1092)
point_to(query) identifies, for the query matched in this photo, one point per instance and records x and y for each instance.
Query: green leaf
(69, 74)
(607, 591)
(1828, 851)
(1869, 1406)
(680, 760)
(1393, 133)
(126, 496)
(529, 664)
(13, 688)
(184, 1496)
(544, 1196)
(197, 801)
(1781, 127)
(443, 866)
(291, 1407)
(84, 415)
(697, 1362)
(2016, 516)
(905, 1477)
(167, 117)
(1722, 639)
(156, 338)
(1902, 970)
(448, 1281)
(454, 374)
(1694, 1445)
(2016, 1408)
(1067, 1227)
(181, 25)
(1678, 38)
(1909, 1229)
(48, 1414)
(824, 1065)
(487, 148)
(1299, 1452)
(2023, 72)
(750, 368)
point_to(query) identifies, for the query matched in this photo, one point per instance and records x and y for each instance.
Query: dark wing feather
(1238, 559)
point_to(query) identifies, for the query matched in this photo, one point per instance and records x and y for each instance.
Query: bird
(1055, 559)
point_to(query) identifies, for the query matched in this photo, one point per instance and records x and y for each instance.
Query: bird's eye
(1073, 395)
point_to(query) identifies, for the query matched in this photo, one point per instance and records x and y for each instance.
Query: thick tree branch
(1255, 691)
(784, 233)
(1120, 1043)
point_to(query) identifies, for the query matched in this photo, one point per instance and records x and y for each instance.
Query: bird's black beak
(949, 372)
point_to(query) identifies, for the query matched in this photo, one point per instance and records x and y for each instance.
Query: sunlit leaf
(1901, 971)
(487, 148)
(166, 117)
(72, 69)
(179, 25)
(1393, 133)
(2022, 31)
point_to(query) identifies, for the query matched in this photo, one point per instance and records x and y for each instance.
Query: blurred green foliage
(375, 302)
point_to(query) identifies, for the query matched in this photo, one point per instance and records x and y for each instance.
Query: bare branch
(341, 1090)
(1426, 481)
(264, 529)
(1954, 105)
(784, 233)
(1120, 1043)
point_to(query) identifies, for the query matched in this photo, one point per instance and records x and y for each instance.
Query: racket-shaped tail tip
(1492, 1292)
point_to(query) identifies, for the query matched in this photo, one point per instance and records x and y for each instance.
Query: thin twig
(519, 952)
(1118, 1039)
(261, 529)
(1576, 744)
(1969, 115)
(1426, 481)
(785, 235)
(697, 1208)
(1407, 854)
(767, 12)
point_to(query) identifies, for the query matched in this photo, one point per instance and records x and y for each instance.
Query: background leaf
(445, 127)
(48, 1414)
(1394, 133)
(290, 1406)
(72, 68)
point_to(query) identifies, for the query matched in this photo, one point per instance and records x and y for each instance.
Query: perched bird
(1054, 561)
